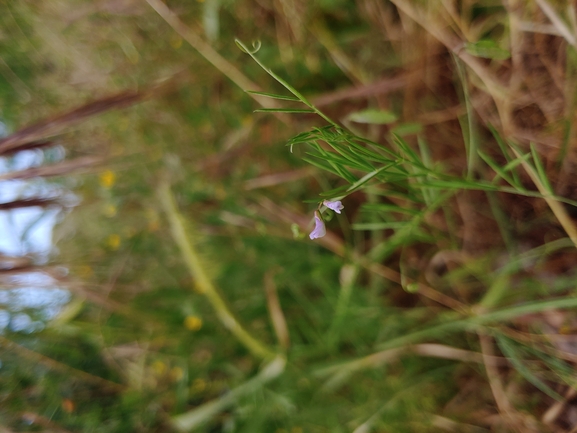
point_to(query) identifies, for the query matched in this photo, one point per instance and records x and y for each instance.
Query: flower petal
(320, 230)
(334, 205)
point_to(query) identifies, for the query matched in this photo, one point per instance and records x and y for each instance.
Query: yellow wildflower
(193, 323)
(113, 242)
(107, 179)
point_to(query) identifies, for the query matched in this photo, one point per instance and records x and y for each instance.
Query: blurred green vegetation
(441, 299)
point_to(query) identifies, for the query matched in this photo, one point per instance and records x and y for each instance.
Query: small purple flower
(334, 205)
(319, 231)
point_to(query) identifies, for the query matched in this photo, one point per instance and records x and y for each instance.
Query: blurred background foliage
(442, 299)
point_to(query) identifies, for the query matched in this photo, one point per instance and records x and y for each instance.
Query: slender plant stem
(203, 283)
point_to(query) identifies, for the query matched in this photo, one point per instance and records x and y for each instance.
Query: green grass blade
(283, 110)
(500, 172)
(471, 141)
(541, 173)
(356, 185)
(511, 165)
(474, 322)
(274, 96)
(505, 151)
(514, 358)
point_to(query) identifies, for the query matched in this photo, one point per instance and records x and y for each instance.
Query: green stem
(202, 281)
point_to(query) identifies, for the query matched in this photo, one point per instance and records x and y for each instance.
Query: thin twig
(557, 22)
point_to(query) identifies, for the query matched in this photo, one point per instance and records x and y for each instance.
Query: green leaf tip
(273, 96)
(283, 110)
(373, 116)
(256, 46)
(487, 49)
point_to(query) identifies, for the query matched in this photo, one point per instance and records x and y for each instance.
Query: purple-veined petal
(320, 230)
(334, 205)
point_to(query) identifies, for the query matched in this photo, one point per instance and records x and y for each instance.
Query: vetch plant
(416, 185)
(412, 207)
(320, 230)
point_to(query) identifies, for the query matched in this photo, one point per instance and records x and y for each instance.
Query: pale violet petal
(336, 205)
(320, 230)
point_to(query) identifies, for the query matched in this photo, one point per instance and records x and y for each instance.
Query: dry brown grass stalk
(59, 169)
(30, 202)
(58, 124)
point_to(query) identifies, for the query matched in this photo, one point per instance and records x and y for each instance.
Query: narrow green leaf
(541, 170)
(274, 96)
(336, 192)
(410, 153)
(366, 178)
(339, 160)
(500, 172)
(469, 130)
(487, 49)
(364, 142)
(516, 162)
(284, 110)
(459, 184)
(505, 151)
(379, 153)
(560, 367)
(514, 358)
(330, 162)
(349, 154)
(430, 195)
(473, 323)
(409, 128)
(321, 163)
(284, 83)
(270, 72)
(343, 172)
(373, 116)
